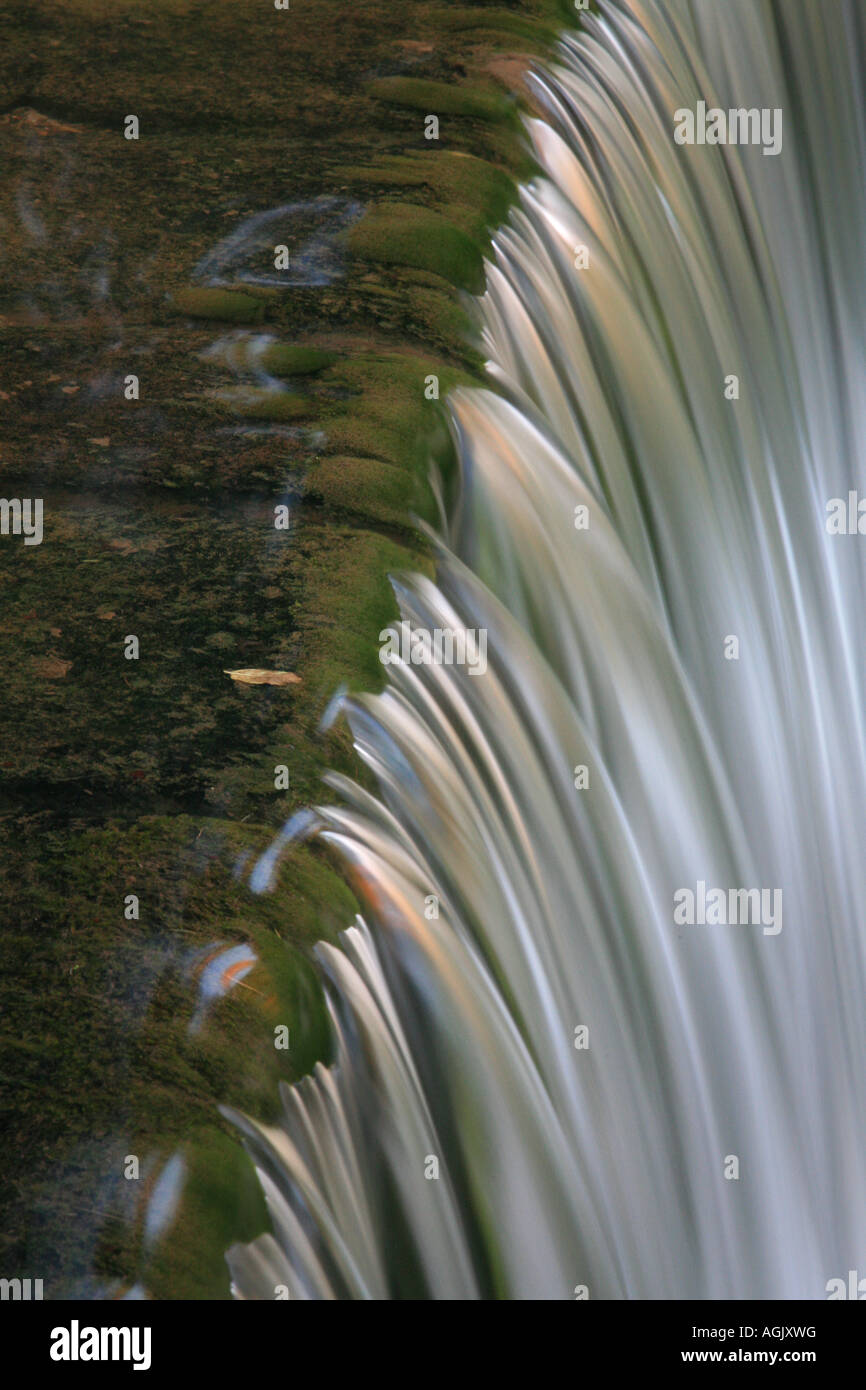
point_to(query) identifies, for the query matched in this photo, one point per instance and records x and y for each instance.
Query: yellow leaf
(251, 675)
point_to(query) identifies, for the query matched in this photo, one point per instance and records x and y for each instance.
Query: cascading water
(460, 1038)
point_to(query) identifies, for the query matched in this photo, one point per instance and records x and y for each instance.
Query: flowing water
(461, 1039)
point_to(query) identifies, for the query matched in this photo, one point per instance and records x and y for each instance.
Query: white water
(455, 1037)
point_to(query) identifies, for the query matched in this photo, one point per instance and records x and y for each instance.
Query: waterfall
(548, 1082)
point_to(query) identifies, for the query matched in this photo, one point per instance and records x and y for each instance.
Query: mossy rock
(472, 193)
(403, 234)
(338, 619)
(157, 777)
(222, 1204)
(260, 403)
(502, 27)
(224, 306)
(104, 1004)
(366, 487)
(290, 359)
(391, 418)
(442, 98)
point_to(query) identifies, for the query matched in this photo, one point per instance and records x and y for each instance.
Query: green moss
(442, 322)
(261, 403)
(224, 306)
(403, 234)
(222, 1204)
(503, 26)
(442, 98)
(341, 621)
(290, 359)
(367, 487)
(392, 419)
(472, 193)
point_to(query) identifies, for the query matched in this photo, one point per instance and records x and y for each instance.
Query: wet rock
(308, 230)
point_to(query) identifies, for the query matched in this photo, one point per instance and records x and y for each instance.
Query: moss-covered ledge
(155, 778)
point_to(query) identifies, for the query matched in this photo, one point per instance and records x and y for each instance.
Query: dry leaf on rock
(251, 675)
